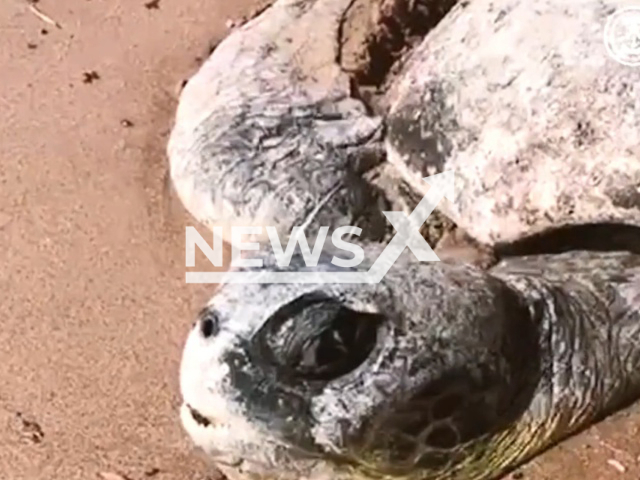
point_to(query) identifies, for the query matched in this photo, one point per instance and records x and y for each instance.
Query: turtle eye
(339, 348)
(316, 338)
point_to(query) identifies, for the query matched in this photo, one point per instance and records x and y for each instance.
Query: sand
(94, 305)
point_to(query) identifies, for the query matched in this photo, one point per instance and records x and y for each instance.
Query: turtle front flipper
(268, 132)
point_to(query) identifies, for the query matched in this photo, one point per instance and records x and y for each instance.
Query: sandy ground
(94, 306)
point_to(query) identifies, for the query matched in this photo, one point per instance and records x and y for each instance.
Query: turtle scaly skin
(442, 370)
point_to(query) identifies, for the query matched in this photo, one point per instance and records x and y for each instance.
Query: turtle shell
(526, 104)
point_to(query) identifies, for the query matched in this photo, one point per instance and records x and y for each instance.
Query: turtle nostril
(209, 325)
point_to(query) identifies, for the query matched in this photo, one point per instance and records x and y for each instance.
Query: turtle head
(349, 381)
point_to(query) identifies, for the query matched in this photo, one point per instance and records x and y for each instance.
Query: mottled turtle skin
(267, 134)
(541, 130)
(442, 370)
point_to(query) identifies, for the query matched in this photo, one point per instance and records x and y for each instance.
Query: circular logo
(622, 36)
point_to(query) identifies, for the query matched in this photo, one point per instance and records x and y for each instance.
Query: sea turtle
(454, 369)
